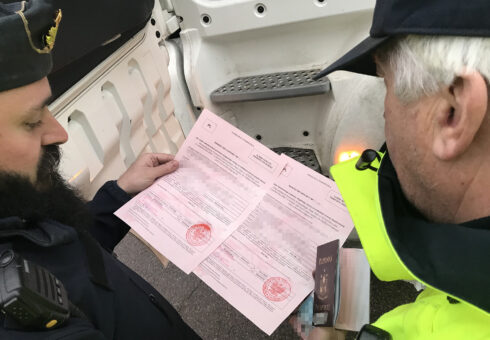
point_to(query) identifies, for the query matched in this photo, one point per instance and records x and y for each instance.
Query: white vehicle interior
(147, 94)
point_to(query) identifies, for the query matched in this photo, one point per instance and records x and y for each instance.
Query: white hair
(422, 65)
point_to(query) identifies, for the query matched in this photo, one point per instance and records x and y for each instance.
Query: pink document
(223, 174)
(264, 269)
(246, 220)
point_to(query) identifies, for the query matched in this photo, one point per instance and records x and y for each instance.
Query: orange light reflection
(346, 155)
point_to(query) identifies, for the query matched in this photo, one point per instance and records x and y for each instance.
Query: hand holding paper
(145, 170)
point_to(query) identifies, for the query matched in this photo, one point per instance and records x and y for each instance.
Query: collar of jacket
(46, 233)
(401, 244)
(50, 233)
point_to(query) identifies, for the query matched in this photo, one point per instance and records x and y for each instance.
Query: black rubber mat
(305, 156)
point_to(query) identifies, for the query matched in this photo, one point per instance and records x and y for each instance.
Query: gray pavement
(211, 316)
(205, 311)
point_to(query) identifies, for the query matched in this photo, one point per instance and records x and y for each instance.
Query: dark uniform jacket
(118, 303)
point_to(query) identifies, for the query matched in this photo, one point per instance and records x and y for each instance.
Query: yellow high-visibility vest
(431, 316)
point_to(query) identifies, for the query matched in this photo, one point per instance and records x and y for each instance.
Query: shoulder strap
(95, 259)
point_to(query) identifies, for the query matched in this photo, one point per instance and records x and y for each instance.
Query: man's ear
(459, 121)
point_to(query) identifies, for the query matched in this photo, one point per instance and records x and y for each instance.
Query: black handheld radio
(30, 294)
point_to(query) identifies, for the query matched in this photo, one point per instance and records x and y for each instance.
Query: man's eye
(34, 125)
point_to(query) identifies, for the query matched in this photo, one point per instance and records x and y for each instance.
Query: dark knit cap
(27, 33)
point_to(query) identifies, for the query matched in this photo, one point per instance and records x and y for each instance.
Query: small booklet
(354, 293)
(327, 285)
(351, 310)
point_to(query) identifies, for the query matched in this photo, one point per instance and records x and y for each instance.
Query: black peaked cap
(422, 17)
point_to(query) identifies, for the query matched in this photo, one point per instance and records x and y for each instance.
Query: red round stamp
(276, 289)
(198, 234)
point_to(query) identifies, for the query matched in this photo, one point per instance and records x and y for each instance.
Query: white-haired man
(422, 209)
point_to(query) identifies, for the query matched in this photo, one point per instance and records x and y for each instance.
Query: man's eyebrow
(39, 107)
(35, 109)
(43, 104)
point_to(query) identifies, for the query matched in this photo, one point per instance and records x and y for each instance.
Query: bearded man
(44, 221)
(423, 211)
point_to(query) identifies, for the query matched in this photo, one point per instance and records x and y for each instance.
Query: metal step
(271, 86)
(305, 156)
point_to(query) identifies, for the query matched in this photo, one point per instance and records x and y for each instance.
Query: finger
(293, 320)
(162, 158)
(294, 323)
(326, 333)
(165, 169)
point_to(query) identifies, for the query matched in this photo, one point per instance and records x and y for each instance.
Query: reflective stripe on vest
(359, 190)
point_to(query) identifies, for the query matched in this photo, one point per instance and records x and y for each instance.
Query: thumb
(165, 169)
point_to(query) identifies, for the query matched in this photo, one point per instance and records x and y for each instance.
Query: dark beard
(49, 198)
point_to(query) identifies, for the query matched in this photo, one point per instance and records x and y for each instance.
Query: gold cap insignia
(49, 38)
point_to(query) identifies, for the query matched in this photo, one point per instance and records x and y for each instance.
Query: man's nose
(53, 133)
